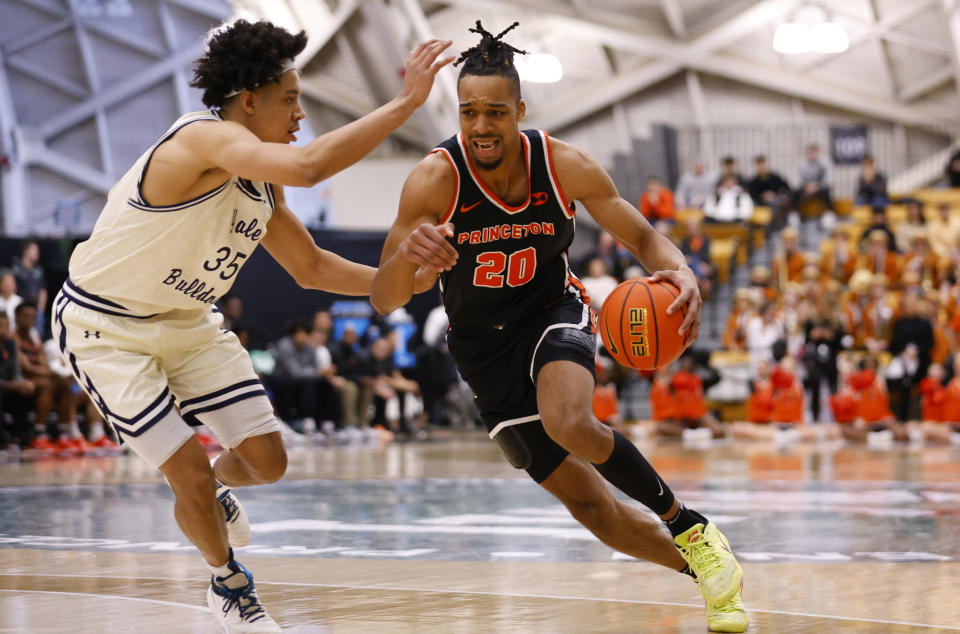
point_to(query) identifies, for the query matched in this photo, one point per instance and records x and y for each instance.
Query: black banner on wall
(848, 144)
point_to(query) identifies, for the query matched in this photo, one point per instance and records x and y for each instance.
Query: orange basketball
(635, 326)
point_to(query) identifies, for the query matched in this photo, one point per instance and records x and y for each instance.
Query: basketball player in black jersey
(490, 210)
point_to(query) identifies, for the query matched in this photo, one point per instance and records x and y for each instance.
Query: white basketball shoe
(236, 606)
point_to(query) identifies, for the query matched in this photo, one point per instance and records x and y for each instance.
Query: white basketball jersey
(143, 259)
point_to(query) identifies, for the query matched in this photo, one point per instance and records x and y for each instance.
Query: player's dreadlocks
(243, 56)
(491, 56)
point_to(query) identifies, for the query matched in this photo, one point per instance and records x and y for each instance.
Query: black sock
(686, 571)
(684, 520)
(629, 471)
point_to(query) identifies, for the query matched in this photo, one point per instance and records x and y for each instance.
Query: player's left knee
(273, 468)
(267, 460)
(568, 428)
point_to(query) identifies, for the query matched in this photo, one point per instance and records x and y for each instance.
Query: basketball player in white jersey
(136, 319)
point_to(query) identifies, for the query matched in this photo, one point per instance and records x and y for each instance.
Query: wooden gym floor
(443, 536)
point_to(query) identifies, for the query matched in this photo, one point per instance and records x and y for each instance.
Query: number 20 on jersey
(495, 267)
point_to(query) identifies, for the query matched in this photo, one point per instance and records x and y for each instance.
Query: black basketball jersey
(512, 260)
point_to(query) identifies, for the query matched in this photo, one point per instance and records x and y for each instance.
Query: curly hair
(243, 56)
(491, 56)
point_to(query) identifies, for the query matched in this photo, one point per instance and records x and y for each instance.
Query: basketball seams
(623, 308)
(656, 329)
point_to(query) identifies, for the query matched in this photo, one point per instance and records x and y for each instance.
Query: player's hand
(424, 280)
(421, 68)
(427, 247)
(686, 281)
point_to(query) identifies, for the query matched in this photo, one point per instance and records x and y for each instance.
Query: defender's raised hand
(422, 67)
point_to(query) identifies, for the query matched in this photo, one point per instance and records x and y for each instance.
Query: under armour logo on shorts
(87, 334)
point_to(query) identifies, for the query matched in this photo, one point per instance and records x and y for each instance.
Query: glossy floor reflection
(445, 537)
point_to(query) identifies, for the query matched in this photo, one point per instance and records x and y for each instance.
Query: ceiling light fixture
(539, 68)
(810, 29)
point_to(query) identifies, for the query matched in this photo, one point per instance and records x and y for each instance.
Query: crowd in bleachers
(41, 406)
(858, 328)
(367, 379)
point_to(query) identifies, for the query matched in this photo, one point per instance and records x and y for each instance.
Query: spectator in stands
(787, 393)
(729, 203)
(613, 255)
(696, 247)
(824, 338)
(296, 378)
(689, 406)
(844, 402)
(232, 308)
(838, 259)
(598, 282)
(695, 187)
(661, 399)
(768, 188)
(878, 222)
(657, 205)
(763, 331)
(760, 401)
(944, 231)
(9, 300)
(16, 392)
(31, 281)
(383, 380)
(873, 404)
(879, 314)
(333, 389)
(912, 327)
(728, 167)
(914, 225)
(744, 308)
(789, 262)
(855, 306)
(953, 170)
(878, 258)
(52, 390)
(920, 260)
(323, 322)
(762, 284)
(346, 356)
(872, 185)
(814, 178)
(903, 378)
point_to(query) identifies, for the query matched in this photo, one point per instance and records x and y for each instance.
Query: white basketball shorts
(152, 376)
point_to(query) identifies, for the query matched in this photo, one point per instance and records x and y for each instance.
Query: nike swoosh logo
(661, 487)
(613, 346)
(464, 208)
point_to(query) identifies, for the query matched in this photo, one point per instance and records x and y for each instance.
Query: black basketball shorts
(501, 366)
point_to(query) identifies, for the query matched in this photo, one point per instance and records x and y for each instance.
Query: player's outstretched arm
(584, 179)
(292, 246)
(232, 147)
(416, 246)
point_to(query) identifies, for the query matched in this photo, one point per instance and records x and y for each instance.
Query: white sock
(213, 462)
(219, 571)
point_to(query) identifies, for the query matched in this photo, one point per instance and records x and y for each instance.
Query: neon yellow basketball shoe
(728, 617)
(708, 554)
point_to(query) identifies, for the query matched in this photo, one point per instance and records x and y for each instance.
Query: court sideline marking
(104, 596)
(471, 592)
